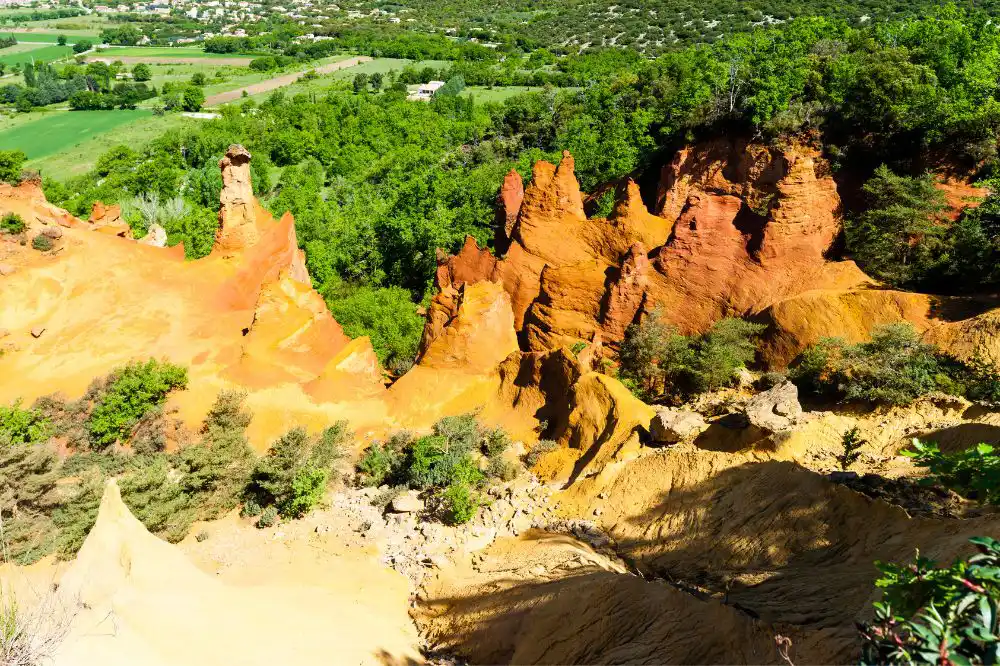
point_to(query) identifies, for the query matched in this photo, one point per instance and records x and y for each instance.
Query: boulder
(671, 425)
(6, 269)
(776, 409)
(156, 236)
(55, 233)
(408, 502)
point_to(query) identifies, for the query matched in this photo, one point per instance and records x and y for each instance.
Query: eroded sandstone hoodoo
(237, 214)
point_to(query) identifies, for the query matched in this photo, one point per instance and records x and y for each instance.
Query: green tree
(192, 99)
(142, 72)
(360, 82)
(83, 46)
(11, 166)
(898, 237)
(61, 40)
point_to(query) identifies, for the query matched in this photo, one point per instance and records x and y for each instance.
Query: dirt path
(280, 81)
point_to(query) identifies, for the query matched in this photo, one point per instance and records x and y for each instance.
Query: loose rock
(672, 425)
(776, 409)
(408, 502)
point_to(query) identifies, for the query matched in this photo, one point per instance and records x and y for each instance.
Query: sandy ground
(280, 81)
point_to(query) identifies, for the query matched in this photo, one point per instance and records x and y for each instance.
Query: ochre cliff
(737, 230)
(245, 316)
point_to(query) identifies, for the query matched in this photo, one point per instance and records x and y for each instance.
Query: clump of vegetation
(973, 473)
(658, 362)
(54, 501)
(852, 443)
(937, 615)
(893, 368)
(13, 224)
(540, 448)
(900, 235)
(294, 475)
(446, 464)
(387, 316)
(129, 394)
(22, 426)
(42, 243)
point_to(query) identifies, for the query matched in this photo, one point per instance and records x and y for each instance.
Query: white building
(425, 91)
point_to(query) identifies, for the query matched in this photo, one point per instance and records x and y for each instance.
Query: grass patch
(43, 53)
(51, 37)
(51, 132)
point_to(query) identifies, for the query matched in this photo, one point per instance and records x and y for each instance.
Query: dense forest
(377, 183)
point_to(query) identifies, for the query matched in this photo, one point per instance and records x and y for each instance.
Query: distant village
(231, 13)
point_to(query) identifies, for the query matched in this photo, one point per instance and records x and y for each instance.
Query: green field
(383, 66)
(41, 53)
(56, 131)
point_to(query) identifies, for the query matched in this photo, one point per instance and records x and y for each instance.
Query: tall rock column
(237, 214)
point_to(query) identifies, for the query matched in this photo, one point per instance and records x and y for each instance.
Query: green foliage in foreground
(656, 360)
(445, 464)
(11, 166)
(294, 474)
(893, 368)
(973, 473)
(938, 615)
(22, 426)
(130, 393)
(50, 503)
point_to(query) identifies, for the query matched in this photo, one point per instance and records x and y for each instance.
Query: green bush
(268, 518)
(130, 393)
(973, 473)
(937, 615)
(294, 474)
(387, 316)
(11, 166)
(893, 368)
(11, 223)
(22, 426)
(445, 464)
(657, 360)
(459, 504)
(42, 243)
(540, 448)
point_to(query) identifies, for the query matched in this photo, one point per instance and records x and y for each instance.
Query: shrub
(11, 166)
(656, 359)
(851, 441)
(22, 426)
(444, 463)
(268, 518)
(12, 223)
(459, 504)
(937, 615)
(294, 474)
(542, 447)
(131, 392)
(973, 473)
(42, 243)
(893, 368)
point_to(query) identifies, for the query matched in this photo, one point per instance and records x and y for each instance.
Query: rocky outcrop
(238, 212)
(737, 227)
(672, 425)
(108, 220)
(776, 409)
(508, 207)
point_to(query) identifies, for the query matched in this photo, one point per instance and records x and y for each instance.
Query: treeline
(371, 42)
(7, 42)
(43, 15)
